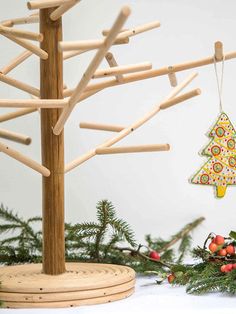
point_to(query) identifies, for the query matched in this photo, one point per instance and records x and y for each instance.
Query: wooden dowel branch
(20, 85)
(101, 127)
(22, 20)
(57, 13)
(21, 33)
(86, 45)
(112, 63)
(16, 114)
(134, 125)
(172, 77)
(122, 17)
(133, 77)
(137, 30)
(70, 54)
(16, 61)
(25, 160)
(33, 103)
(44, 4)
(219, 51)
(123, 69)
(29, 46)
(15, 137)
(133, 149)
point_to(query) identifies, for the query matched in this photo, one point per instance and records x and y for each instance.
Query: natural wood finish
(21, 20)
(44, 4)
(179, 99)
(52, 148)
(219, 51)
(87, 45)
(21, 33)
(112, 63)
(28, 45)
(15, 114)
(133, 149)
(123, 69)
(33, 103)
(137, 30)
(129, 78)
(15, 137)
(24, 159)
(20, 85)
(172, 77)
(16, 61)
(101, 127)
(25, 286)
(70, 54)
(125, 12)
(78, 161)
(57, 13)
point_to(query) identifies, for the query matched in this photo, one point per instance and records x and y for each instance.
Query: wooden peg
(122, 17)
(172, 77)
(44, 4)
(86, 45)
(112, 63)
(218, 51)
(16, 114)
(33, 103)
(57, 13)
(124, 69)
(101, 127)
(27, 45)
(15, 137)
(20, 85)
(133, 149)
(25, 160)
(106, 31)
(25, 20)
(7, 23)
(16, 61)
(70, 54)
(21, 33)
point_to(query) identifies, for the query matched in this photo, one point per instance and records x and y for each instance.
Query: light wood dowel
(33, 103)
(129, 78)
(34, 5)
(20, 85)
(172, 77)
(112, 63)
(16, 61)
(219, 50)
(21, 20)
(133, 149)
(15, 137)
(70, 54)
(21, 33)
(16, 114)
(27, 45)
(57, 13)
(123, 69)
(133, 126)
(87, 45)
(125, 12)
(137, 30)
(101, 127)
(179, 99)
(7, 23)
(24, 160)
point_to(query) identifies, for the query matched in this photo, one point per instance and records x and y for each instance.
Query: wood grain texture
(51, 87)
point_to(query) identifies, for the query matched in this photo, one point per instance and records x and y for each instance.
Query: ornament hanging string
(220, 80)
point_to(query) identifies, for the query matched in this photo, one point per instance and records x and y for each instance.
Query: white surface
(151, 191)
(151, 298)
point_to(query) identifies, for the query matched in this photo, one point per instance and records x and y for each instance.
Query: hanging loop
(219, 80)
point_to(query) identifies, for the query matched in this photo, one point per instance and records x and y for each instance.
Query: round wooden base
(25, 286)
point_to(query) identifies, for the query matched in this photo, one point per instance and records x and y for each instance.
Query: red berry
(234, 266)
(154, 255)
(213, 240)
(228, 267)
(171, 278)
(222, 252)
(222, 268)
(219, 240)
(230, 249)
(213, 247)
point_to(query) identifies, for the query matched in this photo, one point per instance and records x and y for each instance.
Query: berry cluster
(227, 268)
(220, 247)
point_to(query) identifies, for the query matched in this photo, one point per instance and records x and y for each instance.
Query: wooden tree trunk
(51, 87)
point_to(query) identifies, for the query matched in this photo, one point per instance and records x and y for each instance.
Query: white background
(151, 191)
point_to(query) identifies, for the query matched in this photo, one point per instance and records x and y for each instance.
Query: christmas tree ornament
(220, 168)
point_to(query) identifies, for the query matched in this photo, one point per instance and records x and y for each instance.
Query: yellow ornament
(220, 169)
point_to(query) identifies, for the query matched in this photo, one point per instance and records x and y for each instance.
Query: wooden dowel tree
(55, 283)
